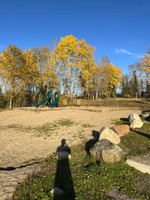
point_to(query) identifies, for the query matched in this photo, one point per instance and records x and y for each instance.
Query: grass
(82, 178)
(87, 125)
(137, 142)
(122, 102)
(44, 130)
(48, 129)
(122, 121)
(65, 122)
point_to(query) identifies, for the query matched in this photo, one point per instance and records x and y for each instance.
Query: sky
(119, 29)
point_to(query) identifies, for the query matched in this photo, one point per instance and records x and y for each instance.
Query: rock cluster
(106, 149)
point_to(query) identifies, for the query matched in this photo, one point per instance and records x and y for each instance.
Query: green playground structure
(56, 96)
(56, 99)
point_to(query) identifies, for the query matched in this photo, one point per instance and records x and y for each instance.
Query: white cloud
(123, 51)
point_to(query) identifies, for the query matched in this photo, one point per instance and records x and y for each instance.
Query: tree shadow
(140, 133)
(63, 177)
(89, 144)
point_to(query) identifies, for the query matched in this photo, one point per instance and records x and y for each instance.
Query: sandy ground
(20, 141)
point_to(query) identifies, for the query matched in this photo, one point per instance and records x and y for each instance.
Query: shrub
(127, 96)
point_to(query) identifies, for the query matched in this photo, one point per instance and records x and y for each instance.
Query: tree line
(68, 66)
(137, 82)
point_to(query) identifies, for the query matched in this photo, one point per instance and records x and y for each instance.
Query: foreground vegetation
(83, 178)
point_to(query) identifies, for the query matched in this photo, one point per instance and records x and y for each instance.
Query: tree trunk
(10, 103)
(97, 94)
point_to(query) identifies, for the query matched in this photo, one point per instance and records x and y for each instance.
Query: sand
(20, 141)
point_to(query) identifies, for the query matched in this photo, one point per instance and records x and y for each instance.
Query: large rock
(135, 121)
(136, 124)
(133, 116)
(121, 129)
(145, 114)
(105, 151)
(56, 191)
(107, 133)
(115, 194)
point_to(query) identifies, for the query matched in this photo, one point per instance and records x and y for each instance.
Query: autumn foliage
(69, 65)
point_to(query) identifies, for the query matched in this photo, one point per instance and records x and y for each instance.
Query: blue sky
(119, 29)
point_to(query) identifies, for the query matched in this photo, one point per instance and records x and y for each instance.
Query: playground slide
(49, 96)
(56, 99)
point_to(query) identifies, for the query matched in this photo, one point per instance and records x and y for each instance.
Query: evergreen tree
(135, 85)
(2, 100)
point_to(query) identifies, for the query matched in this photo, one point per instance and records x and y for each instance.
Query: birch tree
(10, 61)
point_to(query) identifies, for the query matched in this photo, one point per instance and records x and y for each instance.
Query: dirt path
(28, 134)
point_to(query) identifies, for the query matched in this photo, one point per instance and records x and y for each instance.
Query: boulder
(107, 133)
(136, 124)
(63, 155)
(56, 191)
(115, 194)
(105, 151)
(135, 121)
(133, 116)
(145, 114)
(121, 129)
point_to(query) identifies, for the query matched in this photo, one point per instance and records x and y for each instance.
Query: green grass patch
(87, 125)
(64, 122)
(48, 129)
(137, 142)
(82, 178)
(44, 130)
(122, 121)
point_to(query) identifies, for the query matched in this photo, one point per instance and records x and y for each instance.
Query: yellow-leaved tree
(29, 73)
(10, 61)
(19, 73)
(107, 77)
(50, 77)
(74, 59)
(66, 57)
(145, 62)
(113, 76)
(86, 64)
